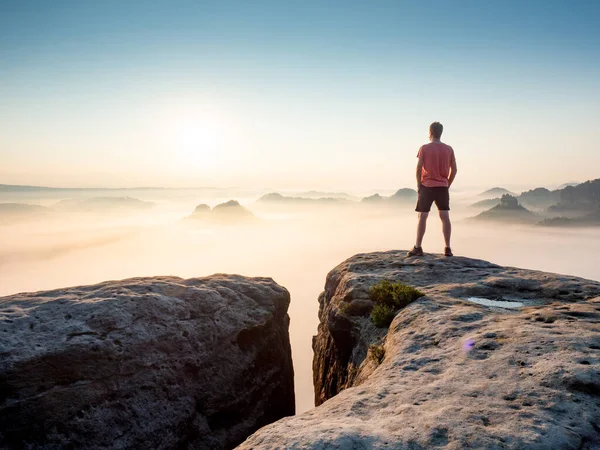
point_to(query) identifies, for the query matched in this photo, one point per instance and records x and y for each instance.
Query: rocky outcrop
(451, 373)
(156, 363)
(228, 213)
(402, 197)
(507, 211)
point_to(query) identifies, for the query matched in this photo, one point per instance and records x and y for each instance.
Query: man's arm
(453, 170)
(419, 171)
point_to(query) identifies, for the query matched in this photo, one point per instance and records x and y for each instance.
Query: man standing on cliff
(436, 170)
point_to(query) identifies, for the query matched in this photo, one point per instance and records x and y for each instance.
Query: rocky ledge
(450, 373)
(144, 363)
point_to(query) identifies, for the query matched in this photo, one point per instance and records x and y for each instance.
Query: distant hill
(539, 198)
(230, 212)
(276, 198)
(589, 220)
(14, 212)
(103, 204)
(322, 194)
(402, 196)
(562, 186)
(579, 200)
(375, 198)
(495, 192)
(487, 203)
(507, 211)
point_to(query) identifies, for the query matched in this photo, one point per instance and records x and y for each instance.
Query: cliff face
(144, 363)
(450, 373)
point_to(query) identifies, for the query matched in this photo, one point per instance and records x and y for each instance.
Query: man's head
(435, 130)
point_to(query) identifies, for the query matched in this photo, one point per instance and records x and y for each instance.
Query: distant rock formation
(375, 198)
(230, 212)
(202, 209)
(508, 210)
(449, 373)
(145, 363)
(103, 204)
(405, 196)
(495, 192)
(231, 208)
(402, 197)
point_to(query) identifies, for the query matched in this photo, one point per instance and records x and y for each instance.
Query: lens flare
(468, 345)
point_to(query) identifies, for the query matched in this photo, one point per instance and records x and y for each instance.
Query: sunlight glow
(193, 138)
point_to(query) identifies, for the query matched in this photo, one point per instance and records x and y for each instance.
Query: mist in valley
(295, 242)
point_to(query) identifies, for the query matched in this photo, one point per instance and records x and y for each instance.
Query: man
(436, 171)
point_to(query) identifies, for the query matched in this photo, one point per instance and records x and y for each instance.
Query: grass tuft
(389, 298)
(377, 353)
(382, 315)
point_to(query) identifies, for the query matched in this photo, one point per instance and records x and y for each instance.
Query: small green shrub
(344, 307)
(390, 297)
(377, 353)
(382, 315)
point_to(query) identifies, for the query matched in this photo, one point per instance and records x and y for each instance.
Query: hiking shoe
(416, 251)
(448, 251)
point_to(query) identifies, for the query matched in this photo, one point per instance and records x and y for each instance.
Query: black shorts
(428, 195)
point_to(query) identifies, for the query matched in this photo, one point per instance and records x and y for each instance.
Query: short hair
(435, 129)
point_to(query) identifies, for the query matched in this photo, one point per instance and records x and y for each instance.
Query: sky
(311, 94)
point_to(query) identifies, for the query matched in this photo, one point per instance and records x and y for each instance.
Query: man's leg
(422, 225)
(446, 226)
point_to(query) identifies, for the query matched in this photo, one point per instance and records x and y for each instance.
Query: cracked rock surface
(453, 374)
(157, 362)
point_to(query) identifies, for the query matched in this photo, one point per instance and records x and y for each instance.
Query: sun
(196, 136)
(193, 139)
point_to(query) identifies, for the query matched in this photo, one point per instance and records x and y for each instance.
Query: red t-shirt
(437, 160)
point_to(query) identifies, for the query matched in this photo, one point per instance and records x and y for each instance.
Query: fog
(294, 244)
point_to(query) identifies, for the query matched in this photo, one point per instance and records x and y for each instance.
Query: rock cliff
(449, 372)
(144, 363)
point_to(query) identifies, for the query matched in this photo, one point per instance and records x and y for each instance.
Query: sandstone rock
(144, 363)
(228, 213)
(405, 195)
(402, 197)
(507, 211)
(203, 208)
(454, 374)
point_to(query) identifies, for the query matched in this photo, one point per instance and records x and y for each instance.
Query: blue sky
(296, 94)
